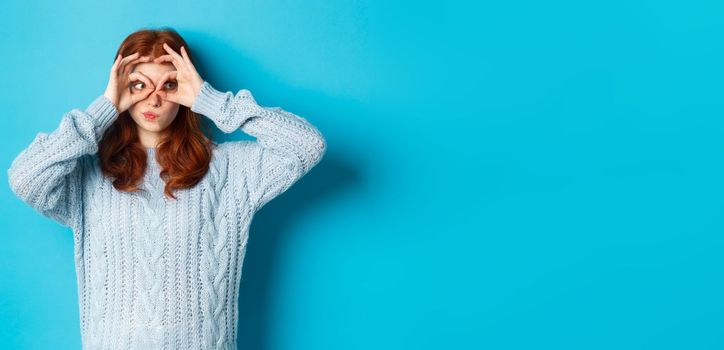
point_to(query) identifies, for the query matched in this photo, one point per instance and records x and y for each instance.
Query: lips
(150, 115)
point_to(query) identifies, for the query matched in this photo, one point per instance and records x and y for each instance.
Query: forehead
(153, 70)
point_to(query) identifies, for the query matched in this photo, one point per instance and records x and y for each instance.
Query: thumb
(171, 97)
(158, 87)
(170, 75)
(135, 98)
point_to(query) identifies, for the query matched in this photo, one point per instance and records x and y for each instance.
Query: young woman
(160, 214)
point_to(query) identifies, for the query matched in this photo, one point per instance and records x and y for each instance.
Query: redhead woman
(160, 214)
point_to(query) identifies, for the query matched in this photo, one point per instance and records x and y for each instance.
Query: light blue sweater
(153, 272)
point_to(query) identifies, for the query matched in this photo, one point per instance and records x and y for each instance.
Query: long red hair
(185, 150)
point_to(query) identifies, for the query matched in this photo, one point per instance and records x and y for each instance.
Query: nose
(154, 99)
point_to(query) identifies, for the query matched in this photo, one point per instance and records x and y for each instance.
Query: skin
(150, 131)
(140, 84)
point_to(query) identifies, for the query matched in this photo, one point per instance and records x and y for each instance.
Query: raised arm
(47, 174)
(287, 146)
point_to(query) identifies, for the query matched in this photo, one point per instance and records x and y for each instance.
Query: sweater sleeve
(287, 146)
(47, 174)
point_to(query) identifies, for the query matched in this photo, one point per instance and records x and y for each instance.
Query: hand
(119, 89)
(188, 80)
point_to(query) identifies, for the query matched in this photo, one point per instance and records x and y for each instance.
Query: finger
(164, 58)
(140, 96)
(115, 63)
(137, 60)
(128, 58)
(140, 76)
(143, 94)
(171, 97)
(136, 98)
(136, 77)
(170, 75)
(129, 65)
(146, 93)
(172, 52)
(168, 58)
(186, 57)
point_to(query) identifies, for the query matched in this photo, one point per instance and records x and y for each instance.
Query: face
(150, 129)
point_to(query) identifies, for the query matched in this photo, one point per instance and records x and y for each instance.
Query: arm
(47, 174)
(287, 146)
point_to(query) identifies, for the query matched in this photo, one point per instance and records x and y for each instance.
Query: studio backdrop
(499, 175)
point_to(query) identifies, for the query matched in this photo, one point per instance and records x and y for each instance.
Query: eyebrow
(139, 72)
(145, 75)
(149, 78)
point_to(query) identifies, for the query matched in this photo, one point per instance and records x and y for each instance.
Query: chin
(153, 129)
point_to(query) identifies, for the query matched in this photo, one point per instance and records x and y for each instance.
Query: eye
(135, 84)
(170, 84)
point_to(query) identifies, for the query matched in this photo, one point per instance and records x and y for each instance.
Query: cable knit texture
(153, 272)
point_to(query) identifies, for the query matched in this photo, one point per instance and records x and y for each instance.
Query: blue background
(515, 175)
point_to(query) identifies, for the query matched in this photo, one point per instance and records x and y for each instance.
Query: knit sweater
(154, 272)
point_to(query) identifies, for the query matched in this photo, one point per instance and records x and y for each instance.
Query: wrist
(103, 112)
(208, 101)
(197, 88)
(110, 98)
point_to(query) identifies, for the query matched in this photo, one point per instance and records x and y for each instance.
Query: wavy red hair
(185, 150)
